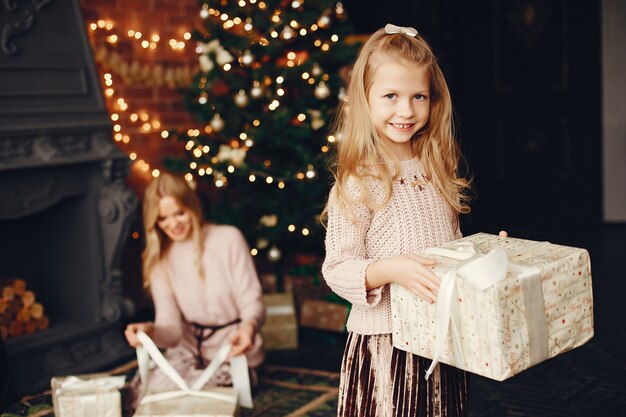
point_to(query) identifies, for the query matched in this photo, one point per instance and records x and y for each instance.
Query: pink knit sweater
(413, 220)
(230, 290)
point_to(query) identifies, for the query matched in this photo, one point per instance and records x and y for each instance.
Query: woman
(203, 283)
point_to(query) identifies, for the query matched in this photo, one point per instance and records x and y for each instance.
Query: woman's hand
(411, 271)
(131, 332)
(503, 233)
(243, 339)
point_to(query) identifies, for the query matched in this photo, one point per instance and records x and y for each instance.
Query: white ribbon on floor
(483, 271)
(238, 370)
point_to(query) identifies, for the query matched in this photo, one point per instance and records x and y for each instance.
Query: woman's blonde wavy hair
(157, 242)
(360, 148)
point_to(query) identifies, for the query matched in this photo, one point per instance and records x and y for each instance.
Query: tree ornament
(316, 70)
(269, 220)
(339, 10)
(317, 121)
(321, 91)
(248, 25)
(324, 21)
(274, 254)
(287, 33)
(222, 56)
(241, 99)
(257, 90)
(217, 123)
(342, 94)
(247, 58)
(235, 156)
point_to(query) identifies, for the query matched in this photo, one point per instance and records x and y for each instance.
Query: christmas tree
(270, 80)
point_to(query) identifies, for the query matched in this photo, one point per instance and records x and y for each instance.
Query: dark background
(525, 77)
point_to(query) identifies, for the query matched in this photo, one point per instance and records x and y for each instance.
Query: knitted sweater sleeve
(168, 325)
(346, 256)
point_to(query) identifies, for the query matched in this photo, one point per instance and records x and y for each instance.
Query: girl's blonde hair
(157, 242)
(362, 153)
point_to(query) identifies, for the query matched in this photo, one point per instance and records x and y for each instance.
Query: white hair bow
(391, 29)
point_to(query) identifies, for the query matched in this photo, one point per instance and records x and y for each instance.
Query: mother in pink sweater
(203, 284)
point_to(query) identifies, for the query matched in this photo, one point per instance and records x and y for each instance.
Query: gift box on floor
(280, 330)
(504, 305)
(193, 406)
(193, 400)
(94, 395)
(323, 315)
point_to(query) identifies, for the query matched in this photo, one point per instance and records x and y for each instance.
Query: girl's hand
(243, 339)
(503, 233)
(410, 271)
(131, 332)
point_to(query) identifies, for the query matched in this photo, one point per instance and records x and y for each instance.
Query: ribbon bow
(483, 271)
(392, 29)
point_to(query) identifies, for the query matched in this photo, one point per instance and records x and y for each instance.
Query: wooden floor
(589, 381)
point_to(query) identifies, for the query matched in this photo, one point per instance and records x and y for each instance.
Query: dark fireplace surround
(64, 208)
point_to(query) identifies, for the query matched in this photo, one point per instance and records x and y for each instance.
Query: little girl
(397, 192)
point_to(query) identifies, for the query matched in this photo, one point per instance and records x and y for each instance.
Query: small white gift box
(194, 400)
(504, 305)
(94, 395)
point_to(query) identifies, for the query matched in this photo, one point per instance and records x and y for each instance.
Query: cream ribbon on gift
(238, 370)
(483, 271)
(89, 389)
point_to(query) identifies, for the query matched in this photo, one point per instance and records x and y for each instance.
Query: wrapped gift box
(94, 395)
(540, 306)
(280, 330)
(191, 406)
(323, 315)
(192, 400)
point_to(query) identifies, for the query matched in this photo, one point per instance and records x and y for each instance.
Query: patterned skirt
(380, 380)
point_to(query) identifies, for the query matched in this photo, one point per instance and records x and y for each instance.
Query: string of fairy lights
(124, 118)
(119, 106)
(279, 29)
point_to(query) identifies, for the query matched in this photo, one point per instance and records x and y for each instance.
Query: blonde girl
(397, 192)
(202, 281)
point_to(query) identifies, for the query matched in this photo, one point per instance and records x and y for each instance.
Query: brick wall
(145, 78)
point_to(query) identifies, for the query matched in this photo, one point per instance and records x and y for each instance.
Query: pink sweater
(230, 290)
(412, 221)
